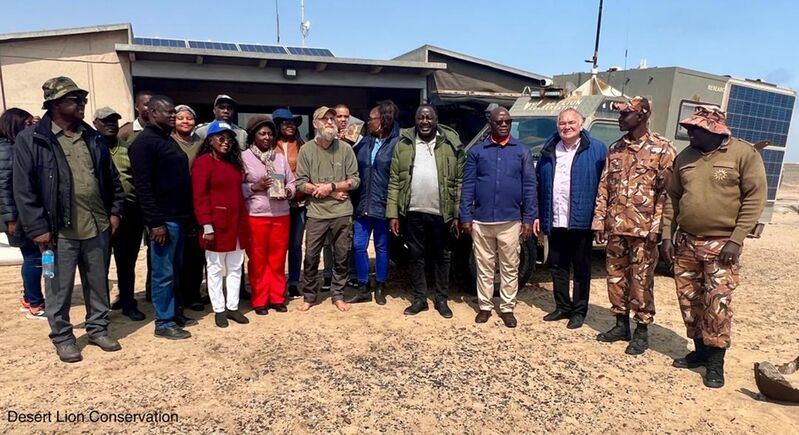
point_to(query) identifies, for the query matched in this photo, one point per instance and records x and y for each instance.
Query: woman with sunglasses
(217, 174)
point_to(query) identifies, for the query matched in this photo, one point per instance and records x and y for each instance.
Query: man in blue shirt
(498, 207)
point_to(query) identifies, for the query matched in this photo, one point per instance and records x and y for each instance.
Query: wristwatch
(333, 185)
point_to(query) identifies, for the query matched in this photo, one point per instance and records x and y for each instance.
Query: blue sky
(740, 38)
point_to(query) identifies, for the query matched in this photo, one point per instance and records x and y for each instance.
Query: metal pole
(277, 17)
(302, 21)
(596, 44)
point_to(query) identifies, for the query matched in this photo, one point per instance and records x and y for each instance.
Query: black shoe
(196, 306)
(105, 343)
(116, 305)
(417, 306)
(326, 285)
(280, 308)
(221, 319)
(640, 341)
(443, 309)
(173, 333)
(620, 332)
(184, 321)
(697, 358)
(236, 316)
(134, 314)
(68, 352)
(576, 321)
(558, 314)
(380, 295)
(482, 316)
(364, 294)
(353, 284)
(714, 376)
(261, 311)
(509, 319)
(294, 292)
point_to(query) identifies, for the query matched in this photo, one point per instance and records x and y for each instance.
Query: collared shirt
(376, 148)
(424, 183)
(499, 184)
(119, 155)
(632, 189)
(88, 215)
(561, 188)
(137, 125)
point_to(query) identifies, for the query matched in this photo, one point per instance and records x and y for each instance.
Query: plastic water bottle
(48, 263)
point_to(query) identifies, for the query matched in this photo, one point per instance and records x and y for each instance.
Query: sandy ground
(375, 370)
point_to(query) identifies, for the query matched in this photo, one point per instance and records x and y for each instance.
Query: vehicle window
(533, 132)
(686, 110)
(605, 132)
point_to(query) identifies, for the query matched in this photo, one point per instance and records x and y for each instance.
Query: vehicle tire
(527, 258)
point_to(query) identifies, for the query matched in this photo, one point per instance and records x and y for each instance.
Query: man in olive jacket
(423, 198)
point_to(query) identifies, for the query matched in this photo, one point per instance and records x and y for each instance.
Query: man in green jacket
(423, 197)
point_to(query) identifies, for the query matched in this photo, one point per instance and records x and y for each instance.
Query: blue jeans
(363, 227)
(32, 273)
(298, 216)
(165, 263)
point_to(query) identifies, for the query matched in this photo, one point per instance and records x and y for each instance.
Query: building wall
(89, 59)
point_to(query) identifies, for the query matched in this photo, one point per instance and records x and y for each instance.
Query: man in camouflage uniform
(716, 196)
(629, 206)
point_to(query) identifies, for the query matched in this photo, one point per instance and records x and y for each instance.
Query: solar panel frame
(260, 48)
(306, 51)
(213, 45)
(160, 42)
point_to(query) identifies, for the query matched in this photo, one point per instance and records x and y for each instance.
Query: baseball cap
(322, 111)
(105, 113)
(218, 127)
(634, 104)
(221, 98)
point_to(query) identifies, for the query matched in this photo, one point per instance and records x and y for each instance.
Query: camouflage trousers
(631, 267)
(704, 288)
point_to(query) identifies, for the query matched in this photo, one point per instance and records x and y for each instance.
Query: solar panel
(304, 51)
(210, 45)
(258, 48)
(160, 42)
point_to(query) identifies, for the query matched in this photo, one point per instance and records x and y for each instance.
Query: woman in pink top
(268, 186)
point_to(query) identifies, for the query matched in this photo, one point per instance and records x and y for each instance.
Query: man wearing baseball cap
(70, 200)
(629, 208)
(224, 108)
(127, 242)
(326, 171)
(716, 196)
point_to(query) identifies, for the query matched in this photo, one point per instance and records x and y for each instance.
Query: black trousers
(126, 246)
(423, 232)
(187, 291)
(571, 249)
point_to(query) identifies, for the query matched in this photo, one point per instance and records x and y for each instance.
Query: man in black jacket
(70, 198)
(163, 185)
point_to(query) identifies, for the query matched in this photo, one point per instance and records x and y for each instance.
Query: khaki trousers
(492, 242)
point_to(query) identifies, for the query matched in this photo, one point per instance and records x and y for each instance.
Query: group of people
(208, 196)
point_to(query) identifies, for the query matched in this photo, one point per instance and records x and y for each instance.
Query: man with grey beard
(326, 171)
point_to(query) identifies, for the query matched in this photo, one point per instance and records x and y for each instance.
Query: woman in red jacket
(217, 174)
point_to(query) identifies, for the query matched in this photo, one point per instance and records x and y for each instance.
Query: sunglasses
(223, 139)
(77, 100)
(502, 121)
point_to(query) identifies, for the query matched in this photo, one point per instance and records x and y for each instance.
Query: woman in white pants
(217, 175)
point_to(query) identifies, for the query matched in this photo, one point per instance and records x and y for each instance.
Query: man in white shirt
(568, 173)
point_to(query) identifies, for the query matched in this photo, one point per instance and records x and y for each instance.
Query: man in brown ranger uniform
(716, 196)
(629, 206)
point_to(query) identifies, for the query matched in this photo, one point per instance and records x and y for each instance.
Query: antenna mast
(305, 26)
(277, 18)
(595, 57)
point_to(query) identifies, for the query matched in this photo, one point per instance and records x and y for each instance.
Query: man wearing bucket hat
(716, 196)
(127, 242)
(326, 171)
(70, 199)
(629, 207)
(224, 108)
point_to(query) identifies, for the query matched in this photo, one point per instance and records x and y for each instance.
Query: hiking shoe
(697, 358)
(640, 341)
(714, 377)
(620, 332)
(68, 352)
